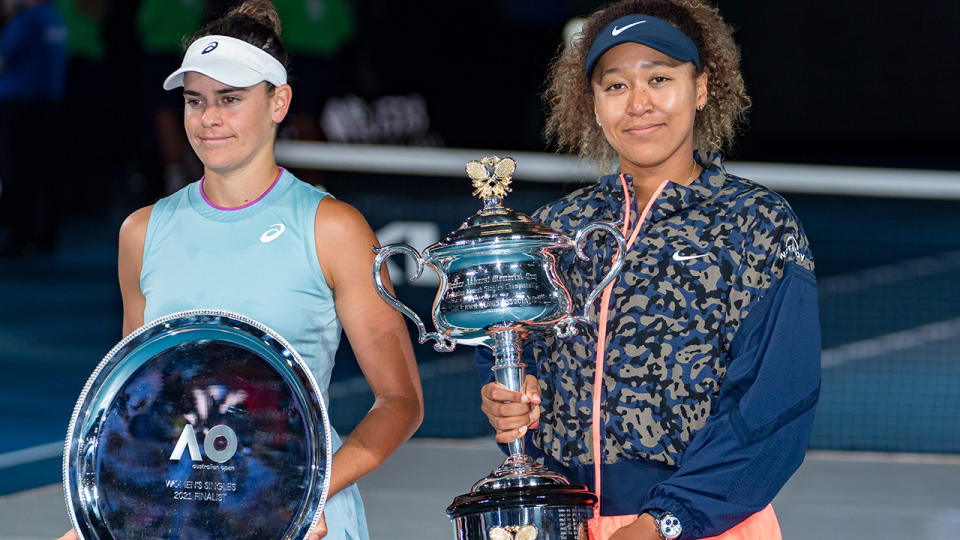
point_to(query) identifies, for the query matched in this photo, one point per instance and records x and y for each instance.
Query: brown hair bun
(262, 11)
(254, 21)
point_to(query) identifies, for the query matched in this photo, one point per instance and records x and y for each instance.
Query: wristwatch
(668, 525)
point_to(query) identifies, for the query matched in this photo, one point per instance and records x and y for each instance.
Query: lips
(642, 129)
(214, 139)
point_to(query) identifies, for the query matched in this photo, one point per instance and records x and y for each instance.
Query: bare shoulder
(133, 233)
(338, 221)
(344, 242)
(135, 226)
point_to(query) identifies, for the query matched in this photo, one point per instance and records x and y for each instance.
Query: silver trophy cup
(201, 425)
(499, 287)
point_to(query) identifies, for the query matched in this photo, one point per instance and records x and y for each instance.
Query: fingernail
(536, 398)
(534, 425)
(524, 398)
(523, 430)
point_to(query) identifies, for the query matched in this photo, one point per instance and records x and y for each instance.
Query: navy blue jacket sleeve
(759, 431)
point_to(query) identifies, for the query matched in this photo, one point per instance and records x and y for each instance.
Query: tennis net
(888, 262)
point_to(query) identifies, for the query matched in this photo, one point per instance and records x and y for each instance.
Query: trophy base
(522, 500)
(519, 471)
(548, 512)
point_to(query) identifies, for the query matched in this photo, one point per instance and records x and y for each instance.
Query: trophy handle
(567, 327)
(443, 342)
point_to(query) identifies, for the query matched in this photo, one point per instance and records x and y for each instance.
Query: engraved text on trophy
(497, 285)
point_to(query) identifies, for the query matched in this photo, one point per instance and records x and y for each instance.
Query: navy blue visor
(655, 33)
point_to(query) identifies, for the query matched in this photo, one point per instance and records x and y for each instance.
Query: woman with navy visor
(251, 238)
(690, 402)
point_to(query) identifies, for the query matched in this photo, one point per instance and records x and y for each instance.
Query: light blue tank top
(259, 260)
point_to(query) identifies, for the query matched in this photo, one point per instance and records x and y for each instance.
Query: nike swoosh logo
(272, 233)
(680, 258)
(617, 31)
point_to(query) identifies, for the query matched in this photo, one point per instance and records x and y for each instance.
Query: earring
(700, 108)
(598, 123)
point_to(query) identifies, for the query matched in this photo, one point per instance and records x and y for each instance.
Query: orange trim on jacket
(760, 526)
(596, 422)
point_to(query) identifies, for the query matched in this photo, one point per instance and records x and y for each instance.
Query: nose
(639, 101)
(210, 116)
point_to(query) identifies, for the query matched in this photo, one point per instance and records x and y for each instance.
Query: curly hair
(569, 96)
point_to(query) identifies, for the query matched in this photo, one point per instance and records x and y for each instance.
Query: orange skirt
(761, 526)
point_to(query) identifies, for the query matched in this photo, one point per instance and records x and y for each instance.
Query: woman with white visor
(251, 238)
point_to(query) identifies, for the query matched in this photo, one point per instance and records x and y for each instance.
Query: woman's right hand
(69, 536)
(511, 413)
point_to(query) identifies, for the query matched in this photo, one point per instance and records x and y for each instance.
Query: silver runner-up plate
(202, 424)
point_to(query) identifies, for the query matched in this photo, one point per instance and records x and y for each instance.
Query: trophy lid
(495, 224)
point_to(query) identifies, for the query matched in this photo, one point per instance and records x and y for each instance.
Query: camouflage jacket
(712, 356)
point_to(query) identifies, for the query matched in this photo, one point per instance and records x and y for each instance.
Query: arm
(759, 430)
(379, 339)
(644, 528)
(133, 231)
(757, 438)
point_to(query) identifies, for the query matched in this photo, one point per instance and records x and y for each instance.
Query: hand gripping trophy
(499, 287)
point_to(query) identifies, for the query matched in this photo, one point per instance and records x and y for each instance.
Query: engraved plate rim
(146, 332)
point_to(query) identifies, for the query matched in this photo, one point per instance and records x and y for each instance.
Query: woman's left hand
(644, 528)
(320, 530)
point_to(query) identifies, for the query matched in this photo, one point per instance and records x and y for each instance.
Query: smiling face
(230, 128)
(646, 103)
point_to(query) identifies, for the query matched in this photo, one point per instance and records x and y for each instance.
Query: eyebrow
(655, 63)
(220, 92)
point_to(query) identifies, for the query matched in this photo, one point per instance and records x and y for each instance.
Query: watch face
(670, 526)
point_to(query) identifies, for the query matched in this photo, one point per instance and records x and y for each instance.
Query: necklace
(692, 173)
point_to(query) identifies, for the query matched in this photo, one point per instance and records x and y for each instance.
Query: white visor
(228, 60)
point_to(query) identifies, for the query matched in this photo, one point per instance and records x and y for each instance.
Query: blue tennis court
(889, 299)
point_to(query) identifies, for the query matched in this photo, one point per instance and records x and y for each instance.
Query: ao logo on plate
(219, 444)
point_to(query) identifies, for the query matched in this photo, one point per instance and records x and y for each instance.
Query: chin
(647, 157)
(219, 168)
(217, 163)
(644, 161)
